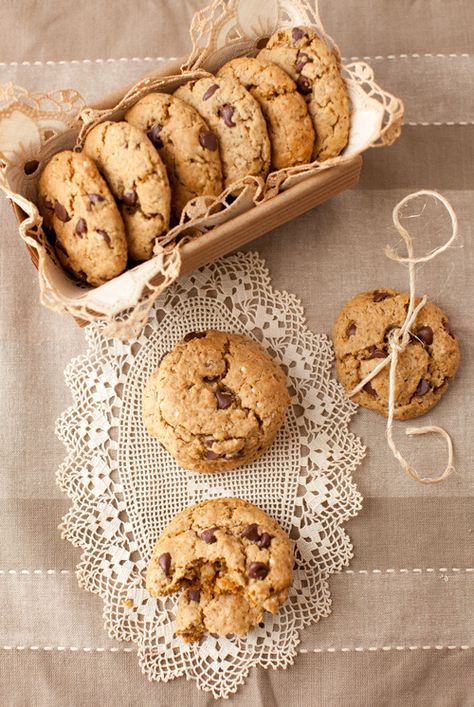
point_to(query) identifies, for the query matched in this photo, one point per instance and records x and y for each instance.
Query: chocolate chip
(378, 296)
(224, 400)
(105, 236)
(265, 540)
(304, 85)
(425, 335)
(194, 595)
(208, 536)
(423, 387)
(251, 533)
(130, 198)
(226, 112)
(209, 441)
(297, 33)
(368, 389)
(48, 204)
(262, 42)
(208, 140)
(447, 327)
(31, 166)
(94, 199)
(257, 570)
(301, 59)
(154, 135)
(164, 561)
(378, 354)
(61, 212)
(210, 455)
(194, 335)
(210, 91)
(81, 227)
(351, 329)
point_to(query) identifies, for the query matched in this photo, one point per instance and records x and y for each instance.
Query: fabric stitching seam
(111, 60)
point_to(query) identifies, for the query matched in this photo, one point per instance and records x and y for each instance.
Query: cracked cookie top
(289, 125)
(232, 562)
(138, 180)
(185, 143)
(314, 68)
(216, 401)
(424, 368)
(235, 117)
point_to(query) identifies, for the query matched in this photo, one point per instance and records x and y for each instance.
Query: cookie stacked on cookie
(216, 401)
(284, 108)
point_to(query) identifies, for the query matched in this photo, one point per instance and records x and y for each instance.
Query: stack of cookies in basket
(109, 204)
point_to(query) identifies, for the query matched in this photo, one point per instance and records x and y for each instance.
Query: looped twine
(399, 338)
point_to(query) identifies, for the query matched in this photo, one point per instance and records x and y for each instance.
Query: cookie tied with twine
(399, 338)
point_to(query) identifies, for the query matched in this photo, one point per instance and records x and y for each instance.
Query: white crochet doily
(125, 488)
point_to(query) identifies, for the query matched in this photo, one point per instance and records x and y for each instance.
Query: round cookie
(82, 217)
(216, 401)
(289, 125)
(235, 117)
(185, 144)
(137, 178)
(232, 561)
(360, 336)
(314, 68)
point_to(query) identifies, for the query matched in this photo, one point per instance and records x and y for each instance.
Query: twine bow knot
(399, 338)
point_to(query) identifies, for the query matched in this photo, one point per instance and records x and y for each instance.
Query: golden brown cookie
(216, 401)
(138, 180)
(313, 66)
(82, 217)
(289, 125)
(235, 117)
(184, 142)
(431, 359)
(232, 561)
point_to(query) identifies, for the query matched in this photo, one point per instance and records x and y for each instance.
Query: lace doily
(125, 488)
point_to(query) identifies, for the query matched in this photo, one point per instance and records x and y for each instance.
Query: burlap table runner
(402, 628)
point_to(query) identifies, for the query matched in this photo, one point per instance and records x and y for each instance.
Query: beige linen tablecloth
(402, 629)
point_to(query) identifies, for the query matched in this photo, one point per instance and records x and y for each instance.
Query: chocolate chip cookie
(289, 125)
(424, 368)
(235, 117)
(185, 143)
(81, 218)
(216, 401)
(138, 180)
(232, 561)
(314, 68)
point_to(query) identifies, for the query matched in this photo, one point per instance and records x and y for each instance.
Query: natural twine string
(399, 338)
